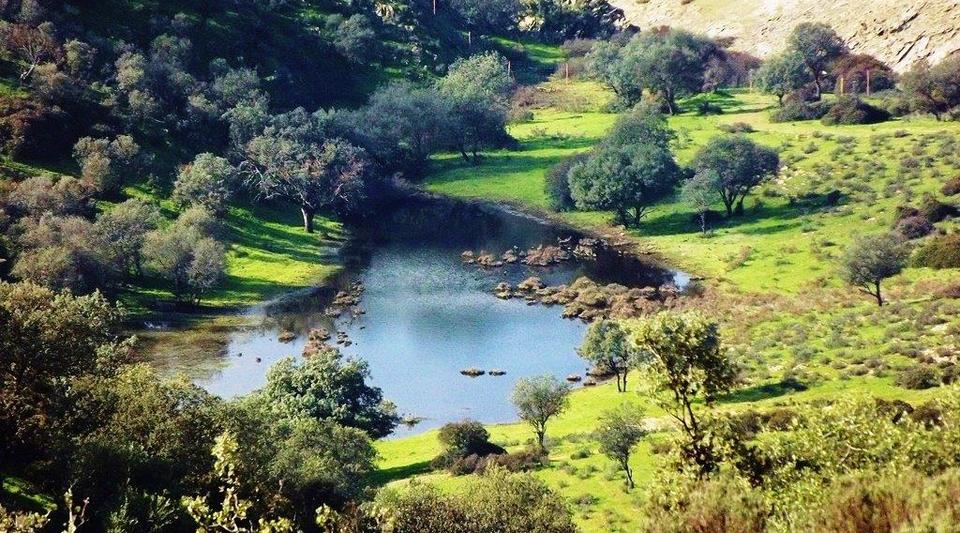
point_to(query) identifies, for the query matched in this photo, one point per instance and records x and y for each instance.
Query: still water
(427, 315)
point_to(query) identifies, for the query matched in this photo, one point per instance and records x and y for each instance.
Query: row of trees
(633, 168)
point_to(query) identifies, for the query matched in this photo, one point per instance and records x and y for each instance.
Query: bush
(914, 227)
(33, 130)
(894, 102)
(935, 211)
(942, 251)
(794, 110)
(853, 110)
(918, 377)
(557, 184)
(951, 187)
(465, 445)
(736, 127)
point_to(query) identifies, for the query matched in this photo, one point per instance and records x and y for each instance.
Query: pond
(427, 315)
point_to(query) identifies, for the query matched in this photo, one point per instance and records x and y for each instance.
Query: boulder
(531, 284)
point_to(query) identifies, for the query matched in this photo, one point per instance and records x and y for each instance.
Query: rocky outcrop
(899, 32)
(588, 300)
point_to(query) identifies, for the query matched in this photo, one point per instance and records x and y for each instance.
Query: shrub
(736, 127)
(941, 251)
(557, 184)
(914, 227)
(795, 109)
(934, 210)
(853, 110)
(918, 377)
(465, 445)
(951, 187)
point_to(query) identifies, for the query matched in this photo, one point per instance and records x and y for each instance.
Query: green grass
(774, 275)
(782, 236)
(268, 253)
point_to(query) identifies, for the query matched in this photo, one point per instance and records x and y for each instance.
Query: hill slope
(895, 31)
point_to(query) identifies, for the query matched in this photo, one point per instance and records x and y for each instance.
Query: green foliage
(853, 110)
(941, 251)
(326, 386)
(918, 377)
(795, 109)
(315, 174)
(186, 255)
(738, 165)
(47, 339)
(682, 361)
(497, 501)
(477, 89)
(538, 400)
(558, 20)
(557, 183)
(670, 63)
(819, 46)
(699, 192)
(402, 125)
(209, 181)
(137, 429)
(630, 170)
(619, 432)
(933, 89)
(871, 259)
(783, 74)
(607, 347)
(232, 515)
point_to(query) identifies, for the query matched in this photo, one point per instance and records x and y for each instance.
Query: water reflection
(427, 315)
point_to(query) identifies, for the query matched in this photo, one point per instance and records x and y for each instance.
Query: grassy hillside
(799, 334)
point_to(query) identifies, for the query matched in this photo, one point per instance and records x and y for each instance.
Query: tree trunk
(729, 205)
(780, 100)
(625, 380)
(878, 294)
(626, 468)
(541, 436)
(817, 83)
(307, 219)
(703, 222)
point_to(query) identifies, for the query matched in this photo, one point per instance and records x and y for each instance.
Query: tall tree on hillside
(738, 164)
(819, 46)
(619, 432)
(332, 175)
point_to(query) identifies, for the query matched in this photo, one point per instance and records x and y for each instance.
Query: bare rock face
(899, 32)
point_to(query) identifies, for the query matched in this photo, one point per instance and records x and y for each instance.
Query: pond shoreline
(427, 314)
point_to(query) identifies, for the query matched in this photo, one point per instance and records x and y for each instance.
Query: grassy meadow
(798, 332)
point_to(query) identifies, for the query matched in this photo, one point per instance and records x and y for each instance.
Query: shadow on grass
(388, 475)
(682, 221)
(764, 392)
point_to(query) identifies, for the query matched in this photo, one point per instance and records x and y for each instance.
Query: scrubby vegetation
(159, 153)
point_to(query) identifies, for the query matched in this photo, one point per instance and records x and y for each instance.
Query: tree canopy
(738, 164)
